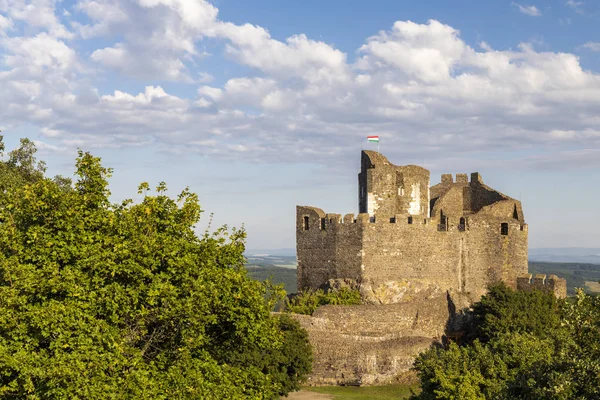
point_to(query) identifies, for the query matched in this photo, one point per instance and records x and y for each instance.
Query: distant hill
(584, 255)
(278, 275)
(278, 268)
(286, 252)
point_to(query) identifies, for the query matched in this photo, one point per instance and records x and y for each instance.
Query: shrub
(307, 302)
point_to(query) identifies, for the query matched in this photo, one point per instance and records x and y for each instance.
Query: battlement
(551, 283)
(312, 219)
(448, 179)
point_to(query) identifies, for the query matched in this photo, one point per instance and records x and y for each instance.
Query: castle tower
(388, 190)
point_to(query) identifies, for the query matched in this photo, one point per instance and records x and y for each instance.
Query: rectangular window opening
(504, 229)
(322, 224)
(306, 223)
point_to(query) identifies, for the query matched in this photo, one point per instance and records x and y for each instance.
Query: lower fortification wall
(373, 344)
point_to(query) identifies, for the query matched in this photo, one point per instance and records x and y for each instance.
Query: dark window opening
(306, 223)
(322, 224)
(504, 228)
(462, 225)
(410, 219)
(393, 220)
(443, 226)
(372, 219)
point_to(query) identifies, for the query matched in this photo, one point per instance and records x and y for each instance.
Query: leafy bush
(503, 310)
(105, 301)
(308, 301)
(288, 364)
(527, 345)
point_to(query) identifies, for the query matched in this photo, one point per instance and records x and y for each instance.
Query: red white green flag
(374, 139)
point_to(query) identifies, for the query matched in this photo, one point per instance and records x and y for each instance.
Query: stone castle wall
(460, 235)
(464, 257)
(330, 249)
(373, 344)
(551, 283)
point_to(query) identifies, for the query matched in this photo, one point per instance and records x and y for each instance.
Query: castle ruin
(458, 235)
(418, 255)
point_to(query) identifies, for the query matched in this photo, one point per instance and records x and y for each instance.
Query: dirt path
(306, 395)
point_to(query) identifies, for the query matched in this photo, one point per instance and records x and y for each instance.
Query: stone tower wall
(388, 189)
(329, 249)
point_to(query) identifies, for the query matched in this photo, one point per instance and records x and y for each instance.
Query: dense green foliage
(576, 274)
(289, 364)
(504, 310)
(527, 346)
(308, 301)
(115, 301)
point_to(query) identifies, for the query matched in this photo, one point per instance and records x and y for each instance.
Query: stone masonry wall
(552, 283)
(330, 248)
(373, 344)
(463, 258)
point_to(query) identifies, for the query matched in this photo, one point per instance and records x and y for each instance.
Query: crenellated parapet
(550, 283)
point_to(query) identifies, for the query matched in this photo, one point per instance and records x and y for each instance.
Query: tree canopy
(102, 300)
(525, 345)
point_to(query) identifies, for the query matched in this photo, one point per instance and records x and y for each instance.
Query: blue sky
(261, 105)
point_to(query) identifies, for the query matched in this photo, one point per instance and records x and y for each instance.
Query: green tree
(527, 345)
(114, 301)
(503, 310)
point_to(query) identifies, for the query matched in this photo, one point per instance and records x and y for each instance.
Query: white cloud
(5, 24)
(426, 52)
(593, 46)
(211, 92)
(158, 35)
(37, 14)
(39, 53)
(532, 11)
(418, 86)
(576, 5)
(299, 56)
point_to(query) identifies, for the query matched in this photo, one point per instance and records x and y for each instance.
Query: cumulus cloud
(416, 85)
(158, 35)
(37, 14)
(299, 56)
(532, 11)
(426, 52)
